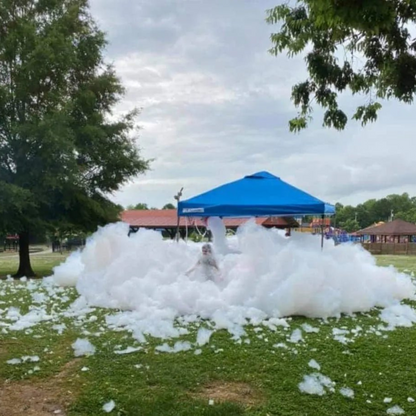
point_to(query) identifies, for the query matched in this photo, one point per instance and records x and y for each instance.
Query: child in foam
(206, 263)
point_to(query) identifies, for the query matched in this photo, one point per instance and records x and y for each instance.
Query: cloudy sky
(215, 107)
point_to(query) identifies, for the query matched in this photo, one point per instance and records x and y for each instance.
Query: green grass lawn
(402, 263)
(42, 264)
(252, 376)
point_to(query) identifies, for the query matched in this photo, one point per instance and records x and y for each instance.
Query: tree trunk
(25, 268)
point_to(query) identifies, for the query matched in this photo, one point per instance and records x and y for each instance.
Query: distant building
(394, 237)
(397, 231)
(11, 242)
(319, 222)
(166, 220)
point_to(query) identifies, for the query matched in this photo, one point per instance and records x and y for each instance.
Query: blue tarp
(258, 195)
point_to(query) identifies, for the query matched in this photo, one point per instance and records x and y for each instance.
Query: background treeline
(372, 211)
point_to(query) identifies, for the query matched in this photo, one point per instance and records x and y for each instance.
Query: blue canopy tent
(260, 194)
(256, 195)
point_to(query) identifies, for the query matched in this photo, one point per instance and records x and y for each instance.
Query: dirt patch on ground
(220, 391)
(37, 398)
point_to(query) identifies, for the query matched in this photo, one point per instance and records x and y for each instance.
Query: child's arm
(192, 269)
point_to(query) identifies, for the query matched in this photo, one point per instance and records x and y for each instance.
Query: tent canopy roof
(260, 194)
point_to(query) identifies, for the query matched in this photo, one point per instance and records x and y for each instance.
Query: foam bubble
(83, 347)
(316, 383)
(264, 275)
(109, 406)
(347, 392)
(203, 336)
(66, 274)
(314, 364)
(395, 410)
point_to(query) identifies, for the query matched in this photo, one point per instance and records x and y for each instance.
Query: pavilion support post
(322, 232)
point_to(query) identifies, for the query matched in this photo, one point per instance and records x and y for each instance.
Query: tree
(361, 45)
(343, 214)
(139, 206)
(400, 202)
(351, 226)
(409, 216)
(374, 210)
(61, 153)
(382, 210)
(169, 206)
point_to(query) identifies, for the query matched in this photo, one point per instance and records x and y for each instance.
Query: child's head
(206, 249)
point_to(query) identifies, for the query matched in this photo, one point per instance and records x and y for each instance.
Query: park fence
(391, 248)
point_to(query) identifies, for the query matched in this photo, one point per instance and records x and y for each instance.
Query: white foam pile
(296, 336)
(24, 359)
(83, 347)
(203, 336)
(347, 392)
(395, 410)
(314, 364)
(109, 406)
(317, 384)
(128, 350)
(179, 346)
(263, 275)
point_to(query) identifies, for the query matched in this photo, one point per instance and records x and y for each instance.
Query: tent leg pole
(178, 198)
(322, 232)
(177, 228)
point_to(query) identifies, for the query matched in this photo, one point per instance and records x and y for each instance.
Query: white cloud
(215, 107)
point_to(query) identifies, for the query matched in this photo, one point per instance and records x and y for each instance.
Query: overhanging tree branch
(375, 30)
